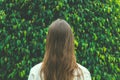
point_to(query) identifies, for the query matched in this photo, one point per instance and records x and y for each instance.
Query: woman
(59, 62)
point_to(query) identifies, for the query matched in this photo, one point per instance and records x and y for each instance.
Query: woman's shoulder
(85, 71)
(36, 67)
(34, 72)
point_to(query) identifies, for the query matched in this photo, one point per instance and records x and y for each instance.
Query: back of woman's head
(59, 61)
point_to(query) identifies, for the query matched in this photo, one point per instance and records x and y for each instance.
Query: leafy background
(24, 24)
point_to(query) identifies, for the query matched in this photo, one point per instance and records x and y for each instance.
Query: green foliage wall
(23, 28)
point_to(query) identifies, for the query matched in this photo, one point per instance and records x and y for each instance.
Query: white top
(35, 72)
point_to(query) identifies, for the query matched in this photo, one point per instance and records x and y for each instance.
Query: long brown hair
(59, 61)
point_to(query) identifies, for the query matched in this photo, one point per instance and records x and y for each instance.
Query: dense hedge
(23, 28)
